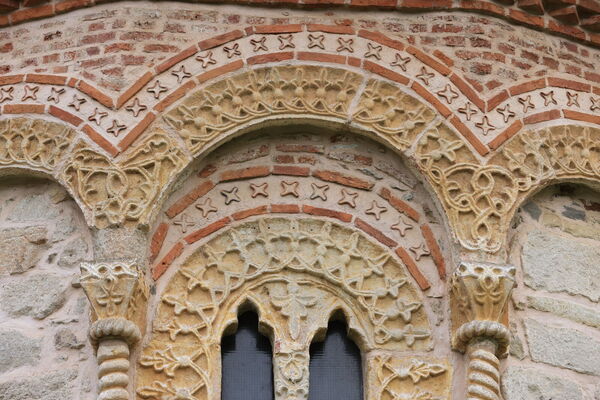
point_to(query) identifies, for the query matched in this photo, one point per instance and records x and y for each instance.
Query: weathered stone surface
(74, 253)
(36, 207)
(558, 263)
(573, 227)
(566, 309)
(53, 386)
(531, 383)
(37, 296)
(562, 347)
(17, 350)
(64, 338)
(21, 248)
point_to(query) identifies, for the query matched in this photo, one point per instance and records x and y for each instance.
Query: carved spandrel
(408, 378)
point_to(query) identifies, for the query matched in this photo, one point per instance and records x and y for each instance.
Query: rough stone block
(21, 248)
(558, 263)
(520, 383)
(53, 386)
(17, 350)
(566, 309)
(563, 347)
(37, 296)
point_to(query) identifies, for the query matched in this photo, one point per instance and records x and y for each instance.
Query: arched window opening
(247, 371)
(335, 366)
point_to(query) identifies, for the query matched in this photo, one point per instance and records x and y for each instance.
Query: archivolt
(296, 271)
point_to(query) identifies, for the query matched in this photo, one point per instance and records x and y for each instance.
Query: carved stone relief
(123, 191)
(296, 272)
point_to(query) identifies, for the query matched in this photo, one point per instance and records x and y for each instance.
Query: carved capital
(118, 294)
(479, 298)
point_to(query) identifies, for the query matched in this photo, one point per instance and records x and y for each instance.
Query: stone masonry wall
(556, 311)
(44, 317)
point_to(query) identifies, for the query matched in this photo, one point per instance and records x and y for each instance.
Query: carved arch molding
(479, 193)
(296, 272)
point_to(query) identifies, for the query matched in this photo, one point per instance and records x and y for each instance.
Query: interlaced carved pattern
(270, 260)
(398, 381)
(33, 142)
(119, 192)
(480, 199)
(311, 90)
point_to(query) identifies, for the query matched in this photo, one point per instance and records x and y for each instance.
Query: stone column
(118, 295)
(479, 299)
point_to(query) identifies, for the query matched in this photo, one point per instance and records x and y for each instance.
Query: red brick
(373, 3)
(174, 96)
(299, 148)
(399, 205)
(381, 39)
(133, 89)
(285, 159)
(339, 29)
(207, 230)
(434, 4)
(10, 79)
(374, 232)
(249, 213)
(290, 170)
(579, 116)
(410, 264)
(98, 38)
(165, 65)
(245, 173)
(158, 239)
(386, 73)
(116, 47)
(272, 57)
(325, 212)
(509, 132)
(336, 177)
(265, 29)
(136, 131)
(167, 260)
(189, 198)
(207, 171)
(31, 13)
(353, 62)
(438, 66)
(468, 91)
(431, 99)
(470, 136)
(482, 5)
(68, 5)
(526, 18)
(566, 30)
(541, 117)
(220, 39)
(65, 116)
(434, 248)
(321, 57)
(285, 208)
(46, 79)
(224, 69)
(497, 99)
(447, 60)
(95, 94)
(527, 87)
(569, 84)
(100, 140)
(24, 109)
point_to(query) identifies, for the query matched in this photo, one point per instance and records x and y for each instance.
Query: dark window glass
(247, 372)
(335, 367)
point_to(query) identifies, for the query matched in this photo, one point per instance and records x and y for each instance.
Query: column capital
(118, 295)
(479, 298)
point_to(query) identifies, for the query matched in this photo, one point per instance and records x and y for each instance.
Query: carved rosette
(479, 294)
(118, 295)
